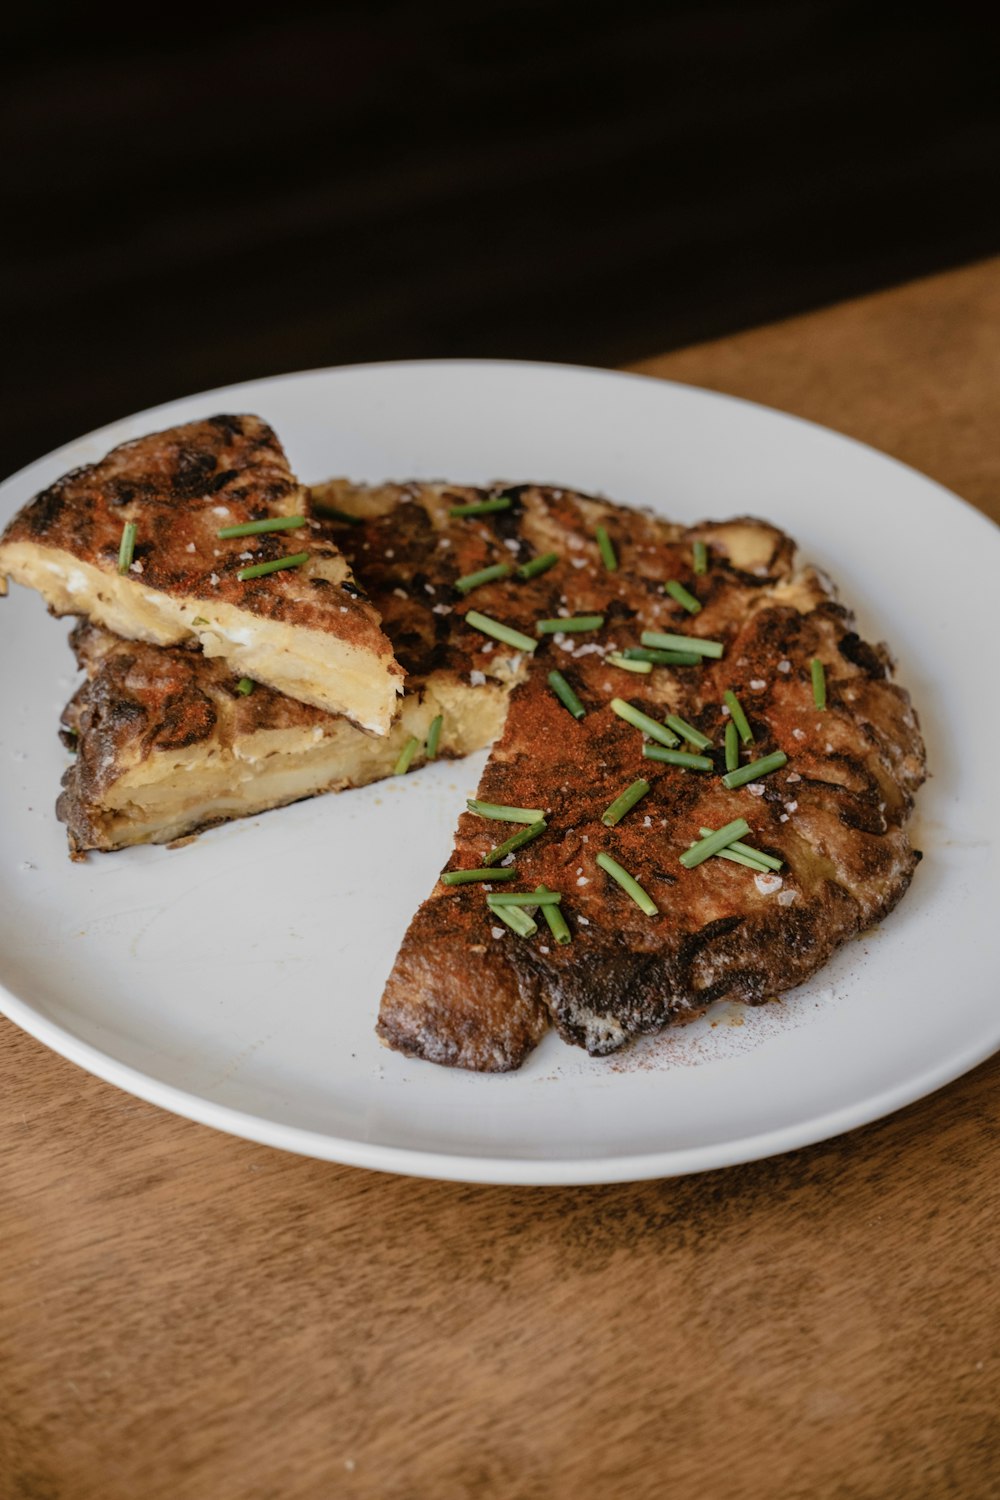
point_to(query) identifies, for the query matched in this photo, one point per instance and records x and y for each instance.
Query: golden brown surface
(180, 488)
(835, 813)
(185, 1314)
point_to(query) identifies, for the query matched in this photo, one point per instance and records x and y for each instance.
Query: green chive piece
(270, 523)
(663, 658)
(406, 756)
(555, 919)
(335, 514)
(699, 555)
(259, 570)
(565, 694)
(720, 839)
(629, 885)
(538, 565)
(670, 642)
(732, 746)
(737, 858)
(769, 861)
(245, 687)
(434, 736)
(688, 732)
(678, 758)
(500, 632)
(642, 721)
(466, 877)
(738, 716)
(818, 677)
(199, 620)
(515, 842)
(504, 814)
(624, 803)
(525, 898)
(678, 592)
(470, 581)
(606, 548)
(627, 664)
(755, 769)
(516, 919)
(482, 507)
(572, 624)
(126, 546)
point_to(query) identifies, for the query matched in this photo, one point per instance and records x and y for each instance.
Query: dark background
(195, 199)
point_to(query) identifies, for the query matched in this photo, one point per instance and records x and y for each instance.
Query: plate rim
(509, 1170)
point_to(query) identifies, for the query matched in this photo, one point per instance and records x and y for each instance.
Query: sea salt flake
(786, 898)
(583, 880)
(828, 748)
(793, 776)
(213, 579)
(476, 678)
(429, 588)
(578, 562)
(508, 859)
(220, 510)
(564, 643)
(440, 609)
(245, 556)
(756, 788)
(497, 932)
(783, 818)
(583, 921)
(758, 684)
(791, 807)
(444, 542)
(784, 665)
(189, 547)
(647, 821)
(487, 647)
(135, 567)
(767, 884)
(798, 734)
(512, 544)
(725, 710)
(400, 593)
(388, 552)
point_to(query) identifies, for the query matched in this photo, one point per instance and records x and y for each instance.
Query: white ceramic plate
(236, 981)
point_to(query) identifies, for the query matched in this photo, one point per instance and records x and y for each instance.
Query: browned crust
(835, 814)
(180, 487)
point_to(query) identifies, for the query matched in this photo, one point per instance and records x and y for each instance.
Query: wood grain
(184, 1315)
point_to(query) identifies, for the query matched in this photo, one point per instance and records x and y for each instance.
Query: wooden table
(191, 1317)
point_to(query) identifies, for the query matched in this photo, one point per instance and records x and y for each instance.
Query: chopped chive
(199, 620)
(406, 756)
(515, 842)
(572, 623)
(688, 732)
(465, 877)
(245, 687)
(756, 768)
(819, 682)
(517, 920)
(434, 736)
(499, 632)
(555, 919)
(720, 839)
(538, 565)
(736, 857)
(642, 721)
(629, 885)
(334, 513)
(663, 658)
(565, 694)
(126, 546)
(503, 814)
(678, 758)
(627, 664)
(624, 803)
(482, 507)
(732, 746)
(485, 575)
(699, 556)
(259, 570)
(769, 861)
(678, 592)
(606, 548)
(668, 642)
(738, 716)
(270, 523)
(525, 898)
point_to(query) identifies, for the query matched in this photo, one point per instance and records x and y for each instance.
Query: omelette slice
(135, 543)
